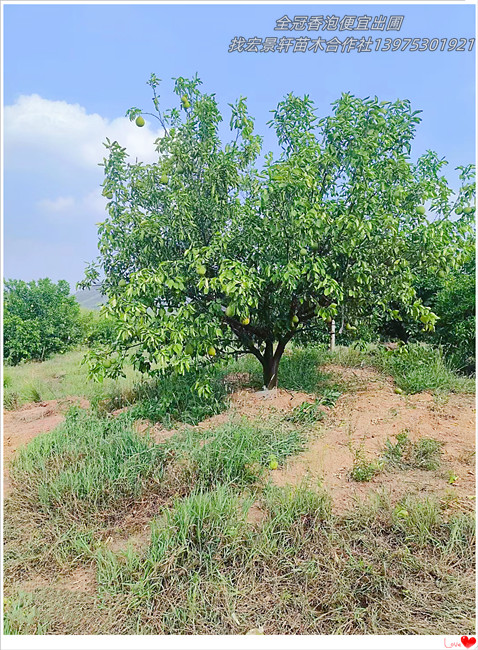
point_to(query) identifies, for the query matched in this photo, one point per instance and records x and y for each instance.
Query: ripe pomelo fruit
(211, 351)
(295, 319)
(245, 321)
(140, 121)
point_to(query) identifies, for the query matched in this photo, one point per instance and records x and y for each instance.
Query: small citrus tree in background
(39, 319)
(204, 254)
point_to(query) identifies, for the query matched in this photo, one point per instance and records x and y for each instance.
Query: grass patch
(303, 571)
(21, 616)
(85, 465)
(174, 399)
(237, 452)
(404, 454)
(415, 367)
(187, 542)
(299, 369)
(293, 514)
(364, 470)
(306, 413)
(62, 376)
(71, 484)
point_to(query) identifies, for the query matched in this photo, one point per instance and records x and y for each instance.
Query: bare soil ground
(375, 413)
(30, 421)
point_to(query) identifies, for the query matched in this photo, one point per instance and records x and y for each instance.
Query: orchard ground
(341, 503)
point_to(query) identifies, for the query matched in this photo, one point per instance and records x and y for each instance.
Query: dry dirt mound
(244, 402)
(375, 413)
(258, 404)
(31, 420)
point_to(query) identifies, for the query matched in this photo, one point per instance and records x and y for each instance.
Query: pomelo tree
(218, 250)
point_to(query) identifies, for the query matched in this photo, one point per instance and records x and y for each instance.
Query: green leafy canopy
(212, 252)
(39, 319)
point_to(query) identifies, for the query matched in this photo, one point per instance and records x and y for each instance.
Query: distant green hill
(90, 298)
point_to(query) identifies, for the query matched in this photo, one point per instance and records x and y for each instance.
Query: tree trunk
(270, 369)
(332, 335)
(270, 362)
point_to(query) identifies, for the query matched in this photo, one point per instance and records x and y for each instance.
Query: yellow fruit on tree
(211, 351)
(245, 321)
(140, 121)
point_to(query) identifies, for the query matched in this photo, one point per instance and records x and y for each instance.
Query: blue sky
(70, 73)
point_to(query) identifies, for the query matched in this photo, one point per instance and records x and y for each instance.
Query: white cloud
(89, 208)
(60, 204)
(39, 131)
